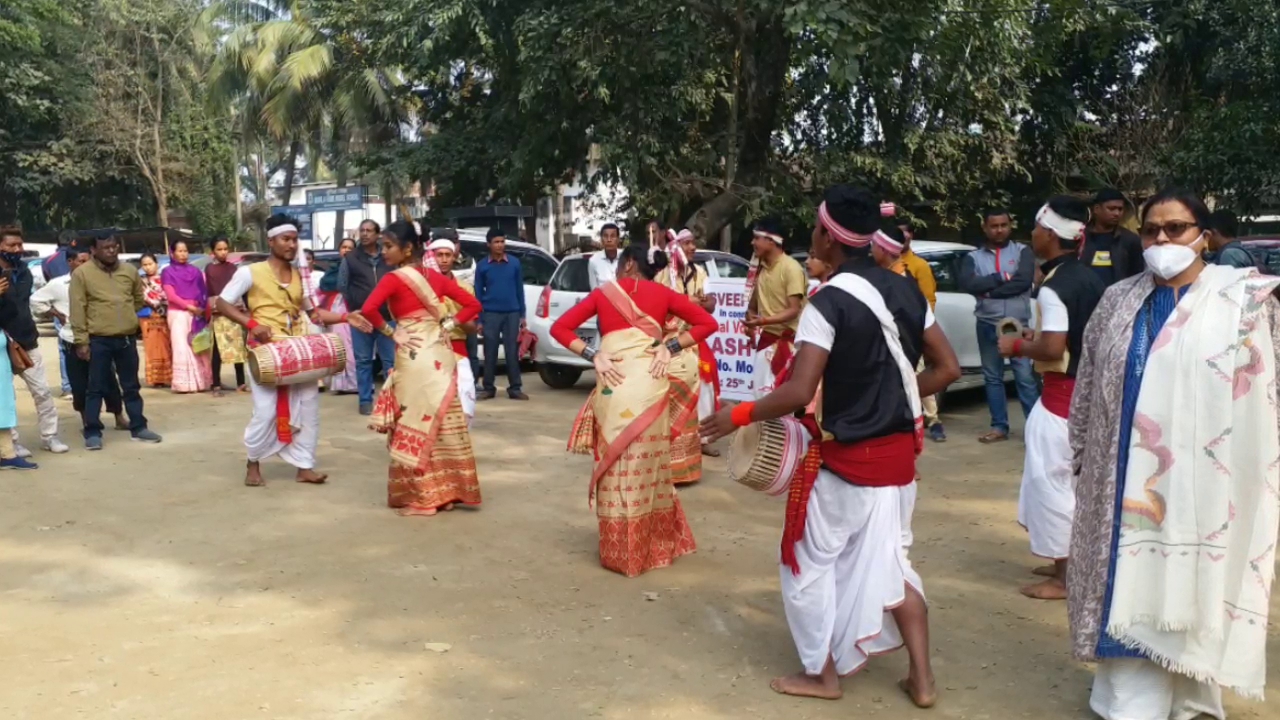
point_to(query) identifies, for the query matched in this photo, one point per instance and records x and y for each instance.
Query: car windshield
(572, 276)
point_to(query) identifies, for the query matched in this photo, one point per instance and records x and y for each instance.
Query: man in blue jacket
(1000, 275)
(500, 289)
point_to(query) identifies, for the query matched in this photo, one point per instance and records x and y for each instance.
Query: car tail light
(544, 303)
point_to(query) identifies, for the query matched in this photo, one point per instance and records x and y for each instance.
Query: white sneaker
(22, 451)
(56, 446)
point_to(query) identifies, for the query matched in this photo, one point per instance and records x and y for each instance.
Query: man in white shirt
(603, 266)
(54, 298)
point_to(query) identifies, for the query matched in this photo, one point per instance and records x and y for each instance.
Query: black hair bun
(660, 261)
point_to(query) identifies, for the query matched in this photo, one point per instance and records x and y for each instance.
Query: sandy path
(146, 582)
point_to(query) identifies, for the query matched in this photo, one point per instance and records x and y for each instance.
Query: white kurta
(1138, 689)
(260, 437)
(853, 570)
(1047, 501)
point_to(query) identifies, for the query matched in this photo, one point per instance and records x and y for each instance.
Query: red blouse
(657, 301)
(394, 293)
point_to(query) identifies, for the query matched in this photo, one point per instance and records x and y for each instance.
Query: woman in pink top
(188, 297)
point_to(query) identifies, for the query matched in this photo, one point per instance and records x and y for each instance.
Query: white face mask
(1170, 259)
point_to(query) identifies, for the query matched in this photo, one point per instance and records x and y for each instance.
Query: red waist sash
(888, 461)
(781, 363)
(1056, 396)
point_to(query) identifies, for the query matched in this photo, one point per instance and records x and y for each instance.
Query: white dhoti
(261, 438)
(706, 402)
(466, 381)
(1139, 689)
(1047, 502)
(853, 571)
(762, 379)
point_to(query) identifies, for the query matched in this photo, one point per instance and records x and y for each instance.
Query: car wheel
(559, 377)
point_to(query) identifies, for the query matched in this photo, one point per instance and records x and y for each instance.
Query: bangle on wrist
(673, 346)
(252, 324)
(1017, 347)
(588, 354)
(342, 319)
(386, 330)
(741, 414)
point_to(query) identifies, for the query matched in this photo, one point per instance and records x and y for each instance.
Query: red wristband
(741, 414)
(1017, 347)
(252, 324)
(342, 320)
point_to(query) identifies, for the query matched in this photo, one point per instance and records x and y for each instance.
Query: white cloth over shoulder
(466, 388)
(1196, 555)
(853, 571)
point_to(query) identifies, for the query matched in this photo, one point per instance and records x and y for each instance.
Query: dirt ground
(147, 582)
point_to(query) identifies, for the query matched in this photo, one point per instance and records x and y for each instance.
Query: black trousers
(78, 377)
(112, 359)
(217, 369)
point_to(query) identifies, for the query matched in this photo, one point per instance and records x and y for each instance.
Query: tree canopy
(708, 112)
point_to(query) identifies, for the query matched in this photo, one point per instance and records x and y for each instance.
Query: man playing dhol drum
(847, 586)
(286, 418)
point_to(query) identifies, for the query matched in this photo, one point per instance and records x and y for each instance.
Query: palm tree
(293, 88)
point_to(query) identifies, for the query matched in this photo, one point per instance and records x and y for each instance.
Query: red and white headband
(1060, 226)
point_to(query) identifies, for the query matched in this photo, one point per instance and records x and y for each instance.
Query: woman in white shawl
(1177, 448)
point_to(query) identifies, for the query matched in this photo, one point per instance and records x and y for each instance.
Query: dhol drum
(764, 456)
(290, 361)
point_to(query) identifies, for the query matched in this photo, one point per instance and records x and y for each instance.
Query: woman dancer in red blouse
(625, 422)
(432, 464)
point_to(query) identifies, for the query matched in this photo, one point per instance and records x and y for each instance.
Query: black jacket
(1126, 253)
(15, 308)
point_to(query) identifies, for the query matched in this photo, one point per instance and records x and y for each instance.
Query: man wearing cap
(1066, 300)
(847, 584)
(1114, 252)
(776, 288)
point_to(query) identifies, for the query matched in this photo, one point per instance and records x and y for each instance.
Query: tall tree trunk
(235, 167)
(386, 202)
(340, 217)
(290, 171)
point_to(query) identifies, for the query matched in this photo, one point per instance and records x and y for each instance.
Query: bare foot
(710, 451)
(447, 507)
(243, 389)
(414, 511)
(923, 695)
(1051, 589)
(802, 685)
(1046, 571)
(253, 476)
(311, 477)
(217, 392)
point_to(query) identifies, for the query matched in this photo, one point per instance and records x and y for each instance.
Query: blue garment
(8, 400)
(56, 265)
(1146, 326)
(500, 285)
(363, 346)
(1024, 378)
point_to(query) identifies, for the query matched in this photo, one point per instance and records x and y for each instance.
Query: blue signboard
(343, 198)
(301, 213)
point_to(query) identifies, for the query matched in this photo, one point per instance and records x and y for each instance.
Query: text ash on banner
(730, 343)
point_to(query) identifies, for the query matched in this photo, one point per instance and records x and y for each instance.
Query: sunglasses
(1171, 230)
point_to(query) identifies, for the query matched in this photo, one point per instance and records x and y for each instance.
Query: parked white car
(559, 368)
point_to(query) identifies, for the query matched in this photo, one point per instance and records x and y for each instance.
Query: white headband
(1062, 227)
(442, 244)
(776, 238)
(282, 229)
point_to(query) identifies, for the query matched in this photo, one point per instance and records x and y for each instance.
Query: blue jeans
(363, 345)
(502, 328)
(993, 377)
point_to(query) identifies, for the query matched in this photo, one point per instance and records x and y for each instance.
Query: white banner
(730, 344)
